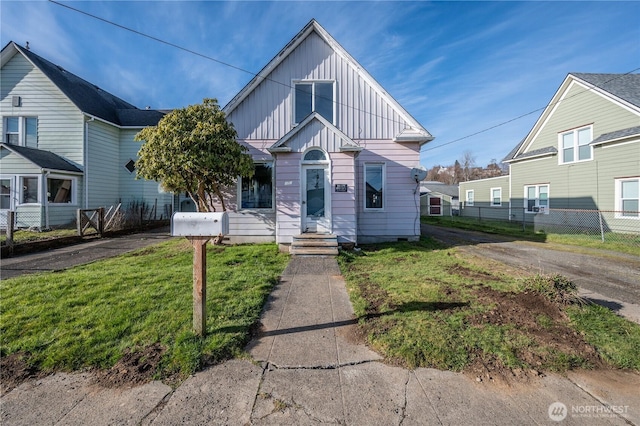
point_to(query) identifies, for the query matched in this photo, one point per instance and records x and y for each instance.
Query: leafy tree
(194, 150)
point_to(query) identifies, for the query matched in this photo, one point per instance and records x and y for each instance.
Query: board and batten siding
(400, 216)
(361, 112)
(60, 122)
(581, 107)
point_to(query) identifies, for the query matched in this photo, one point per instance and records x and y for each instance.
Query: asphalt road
(65, 257)
(608, 278)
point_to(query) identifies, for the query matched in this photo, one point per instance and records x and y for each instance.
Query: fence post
(601, 227)
(524, 220)
(10, 223)
(79, 221)
(101, 221)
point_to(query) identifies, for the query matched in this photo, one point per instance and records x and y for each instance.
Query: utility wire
(253, 74)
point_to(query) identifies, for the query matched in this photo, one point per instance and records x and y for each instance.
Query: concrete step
(313, 251)
(314, 244)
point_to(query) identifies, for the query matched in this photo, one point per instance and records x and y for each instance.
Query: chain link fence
(614, 226)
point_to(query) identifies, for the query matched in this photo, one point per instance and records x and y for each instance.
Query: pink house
(334, 152)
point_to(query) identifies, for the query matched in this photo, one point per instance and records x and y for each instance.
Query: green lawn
(24, 235)
(87, 316)
(425, 305)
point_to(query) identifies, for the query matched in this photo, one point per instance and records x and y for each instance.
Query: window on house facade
(574, 145)
(21, 131)
(628, 197)
(374, 186)
(60, 190)
(257, 192)
(313, 96)
(469, 197)
(496, 197)
(536, 198)
(29, 190)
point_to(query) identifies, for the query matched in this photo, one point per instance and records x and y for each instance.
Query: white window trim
(315, 148)
(537, 199)
(313, 106)
(468, 203)
(576, 147)
(499, 196)
(20, 190)
(273, 192)
(384, 187)
(618, 197)
(74, 189)
(22, 125)
(429, 198)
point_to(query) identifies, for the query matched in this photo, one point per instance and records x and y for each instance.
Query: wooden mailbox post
(199, 228)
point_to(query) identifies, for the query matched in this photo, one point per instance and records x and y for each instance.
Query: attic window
(313, 96)
(131, 166)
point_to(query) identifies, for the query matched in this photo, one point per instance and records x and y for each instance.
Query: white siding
(288, 196)
(400, 217)
(60, 122)
(362, 113)
(101, 171)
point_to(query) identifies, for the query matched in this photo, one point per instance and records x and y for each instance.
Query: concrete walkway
(305, 369)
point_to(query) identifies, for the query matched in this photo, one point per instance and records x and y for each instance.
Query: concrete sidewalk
(306, 370)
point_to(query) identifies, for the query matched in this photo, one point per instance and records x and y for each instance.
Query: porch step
(314, 244)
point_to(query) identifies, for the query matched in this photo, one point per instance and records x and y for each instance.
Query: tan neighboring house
(582, 154)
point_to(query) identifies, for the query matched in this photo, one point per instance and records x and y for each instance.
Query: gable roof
(44, 159)
(418, 133)
(620, 88)
(348, 145)
(623, 86)
(88, 97)
(440, 187)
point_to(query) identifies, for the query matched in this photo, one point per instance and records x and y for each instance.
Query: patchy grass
(25, 235)
(89, 316)
(426, 305)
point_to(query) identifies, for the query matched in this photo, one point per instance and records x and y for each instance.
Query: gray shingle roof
(443, 188)
(618, 134)
(551, 150)
(91, 99)
(43, 159)
(624, 86)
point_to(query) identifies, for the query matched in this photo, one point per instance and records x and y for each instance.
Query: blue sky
(458, 67)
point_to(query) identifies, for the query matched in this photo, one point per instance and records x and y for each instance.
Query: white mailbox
(199, 224)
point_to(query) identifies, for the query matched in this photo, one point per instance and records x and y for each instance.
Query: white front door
(316, 208)
(6, 199)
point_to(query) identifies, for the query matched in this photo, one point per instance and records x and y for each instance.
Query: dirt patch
(134, 368)
(538, 318)
(465, 272)
(14, 370)
(376, 298)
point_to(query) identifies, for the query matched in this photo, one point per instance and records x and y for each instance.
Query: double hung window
(496, 197)
(628, 198)
(21, 131)
(574, 145)
(536, 198)
(469, 197)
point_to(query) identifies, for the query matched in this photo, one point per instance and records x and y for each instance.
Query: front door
(315, 199)
(6, 200)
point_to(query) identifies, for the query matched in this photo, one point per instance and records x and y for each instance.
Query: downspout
(510, 195)
(86, 161)
(45, 198)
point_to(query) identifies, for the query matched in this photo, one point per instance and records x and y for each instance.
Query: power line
(356, 109)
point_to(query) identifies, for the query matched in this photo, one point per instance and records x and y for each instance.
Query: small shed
(439, 199)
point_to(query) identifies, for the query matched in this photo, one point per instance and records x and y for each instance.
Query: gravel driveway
(608, 278)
